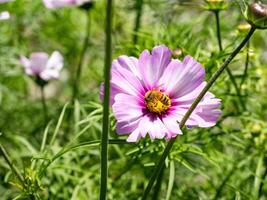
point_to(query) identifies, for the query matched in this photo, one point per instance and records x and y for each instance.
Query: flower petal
(170, 121)
(4, 15)
(131, 64)
(205, 114)
(127, 108)
(134, 136)
(180, 79)
(152, 125)
(152, 66)
(158, 130)
(125, 81)
(126, 126)
(5, 1)
(49, 74)
(55, 61)
(52, 4)
(38, 62)
(145, 124)
(27, 65)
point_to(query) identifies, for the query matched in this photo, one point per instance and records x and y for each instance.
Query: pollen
(157, 102)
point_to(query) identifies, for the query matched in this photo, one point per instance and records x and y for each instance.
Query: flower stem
(77, 78)
(156, 193)
(44, 105)
(245, 73)
(231, 76)
(105, 127)
(11, 165)
(263, 177)
(258, 176)
(226, 178)
(212, 80)
(139, 8)
(218, 28)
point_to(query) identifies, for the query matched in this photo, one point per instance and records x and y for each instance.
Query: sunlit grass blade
(171, 180)
(60, 120)
(45, 137)
(12, 166)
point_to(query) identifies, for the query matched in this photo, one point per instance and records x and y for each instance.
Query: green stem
(231, 76)
(258, 176)
(76, 84)
(105, 127)
(245, 73)
(11, 165)
(263, 178)
(139, 8)
(44, 105)
(218, 28)
(212, 80)
(158, 185)
(220, 188)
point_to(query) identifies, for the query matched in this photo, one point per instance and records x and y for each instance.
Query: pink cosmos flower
(150, 95)
(43, 67)
(52, 4)
(4, 15)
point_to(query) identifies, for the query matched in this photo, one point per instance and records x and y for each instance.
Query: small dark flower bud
(87, 6)
(216, 5)
(256, 15)
(39, 81)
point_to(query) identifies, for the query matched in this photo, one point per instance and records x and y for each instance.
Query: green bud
(243, 28)
(256, 15)
(216, 5)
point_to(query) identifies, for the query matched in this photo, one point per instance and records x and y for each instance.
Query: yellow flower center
(156, 101)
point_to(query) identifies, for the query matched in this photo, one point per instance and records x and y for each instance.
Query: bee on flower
(151, 94)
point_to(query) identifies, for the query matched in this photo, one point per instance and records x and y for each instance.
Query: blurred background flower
(4, 15)
(52, 4)
(42, 66)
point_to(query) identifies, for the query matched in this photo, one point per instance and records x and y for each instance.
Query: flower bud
(87, 5)
(243, 28)
(216, 5)
(256, 15)
(177, 52)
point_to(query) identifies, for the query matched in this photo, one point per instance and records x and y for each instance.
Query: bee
(157, 101)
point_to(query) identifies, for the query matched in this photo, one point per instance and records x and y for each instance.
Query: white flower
(52, 4)
(4, 15)
(40, 65)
